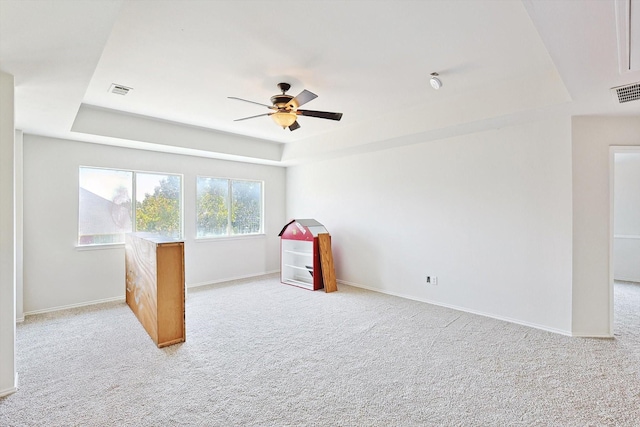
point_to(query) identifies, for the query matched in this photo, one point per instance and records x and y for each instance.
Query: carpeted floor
(259, 353)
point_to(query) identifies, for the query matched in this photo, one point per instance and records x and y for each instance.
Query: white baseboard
(632, 280)
(231, 279)
(10, 390)
(122, 297)
(463, 309)
(20, 319)
(77, 305)
(587, 335)
(627, 236)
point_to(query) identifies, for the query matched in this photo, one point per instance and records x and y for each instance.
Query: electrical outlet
(432, 280)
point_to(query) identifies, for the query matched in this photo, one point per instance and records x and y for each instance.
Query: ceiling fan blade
(252, 117)
(320, 114)
(294, 126)
(253, 102)
(302, 98)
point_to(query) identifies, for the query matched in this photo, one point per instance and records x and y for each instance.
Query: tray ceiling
(368, 60)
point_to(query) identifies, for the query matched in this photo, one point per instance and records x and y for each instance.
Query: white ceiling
(500, 61)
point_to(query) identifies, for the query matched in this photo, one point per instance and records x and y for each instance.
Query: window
(105, 206)
(227, 207)
(158, 207)
(106, 210)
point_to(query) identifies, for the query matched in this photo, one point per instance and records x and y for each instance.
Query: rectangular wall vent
(626, 93)
(628, 29)
(119, 89)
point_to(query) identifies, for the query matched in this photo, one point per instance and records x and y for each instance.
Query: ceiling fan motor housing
(284, 87)
(280, 101)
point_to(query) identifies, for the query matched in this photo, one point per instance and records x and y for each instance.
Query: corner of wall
(8, 375)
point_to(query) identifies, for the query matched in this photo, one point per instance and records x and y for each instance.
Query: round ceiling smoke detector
(435, 81)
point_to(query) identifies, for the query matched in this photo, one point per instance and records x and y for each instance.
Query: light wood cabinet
(155, 285)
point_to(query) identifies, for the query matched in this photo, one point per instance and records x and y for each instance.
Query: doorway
(624, 247)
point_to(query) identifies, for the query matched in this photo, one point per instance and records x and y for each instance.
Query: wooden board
(326, 260)
(171, 316)
(141, 276)
(155, 286)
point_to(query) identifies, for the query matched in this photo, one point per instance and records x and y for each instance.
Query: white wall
(8, 375)
(591, 140)
(18, 164)
(57, 274)
(488, 213)
(626, 228)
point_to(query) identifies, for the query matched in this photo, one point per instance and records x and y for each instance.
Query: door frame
(613, 150)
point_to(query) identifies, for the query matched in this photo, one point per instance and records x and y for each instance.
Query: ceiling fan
(285, 108)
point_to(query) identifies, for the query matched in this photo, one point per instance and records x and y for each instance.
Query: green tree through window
(246, 207)
(213, 207)
(228, 207)
(159, 212)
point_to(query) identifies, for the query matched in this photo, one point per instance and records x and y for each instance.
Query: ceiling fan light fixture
(284, 119)
(285, 110)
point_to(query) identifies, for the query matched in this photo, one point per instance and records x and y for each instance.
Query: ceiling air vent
(119, 89)
(626, 93)
(628, 29)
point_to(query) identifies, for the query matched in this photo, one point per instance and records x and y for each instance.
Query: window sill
(227, 238)
(99, 247)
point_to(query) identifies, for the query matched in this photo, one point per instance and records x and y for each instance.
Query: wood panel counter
(155, 285)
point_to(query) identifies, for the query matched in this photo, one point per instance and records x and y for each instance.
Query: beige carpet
(259, 353)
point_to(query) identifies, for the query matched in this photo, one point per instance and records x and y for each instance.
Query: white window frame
(229, 227)
(133, 204)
